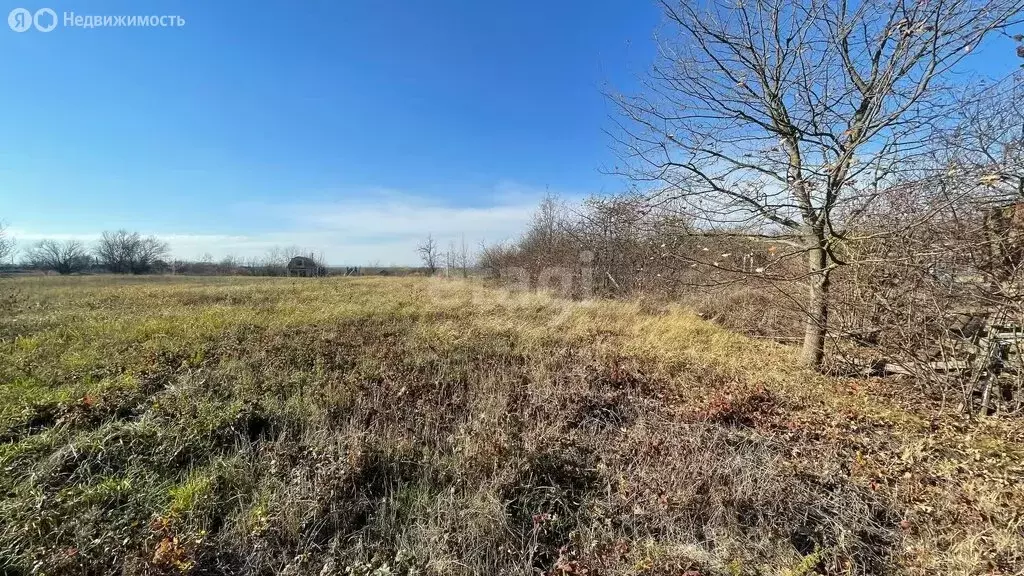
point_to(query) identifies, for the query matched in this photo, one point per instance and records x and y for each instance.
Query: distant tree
(64, 257)
(151, 249)
(6, 243)
(451, 257)
(463, 257)
(456, 259)
(275, 261)
(124, 252)
(321, 262)
(113, 251)
(429, 253)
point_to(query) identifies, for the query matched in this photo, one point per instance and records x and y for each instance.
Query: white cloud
(383, 227)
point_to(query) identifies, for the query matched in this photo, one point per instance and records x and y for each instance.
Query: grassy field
(411, 426)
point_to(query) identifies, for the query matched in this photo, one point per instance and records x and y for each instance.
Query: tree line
(456, 260)
(125, 252)
(119, 252)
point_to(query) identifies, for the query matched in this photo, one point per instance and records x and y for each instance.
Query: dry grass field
(392, 426)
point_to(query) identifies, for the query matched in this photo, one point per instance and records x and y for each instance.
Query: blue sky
(353, 127)
(349, 127)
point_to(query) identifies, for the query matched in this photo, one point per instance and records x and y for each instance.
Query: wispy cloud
(384, 227)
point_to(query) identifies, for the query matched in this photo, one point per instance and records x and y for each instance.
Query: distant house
(305, 267)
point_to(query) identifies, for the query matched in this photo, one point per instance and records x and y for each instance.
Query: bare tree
(113, 251)
(429, 253)
(229, 264)
(777, 115)
(451, 257)
(151, 249)
(6, 243)
(938, 294)
(275, 262)
(64, 257)
(321, 262)
(124, 252)
(462, 259)
(986, 144)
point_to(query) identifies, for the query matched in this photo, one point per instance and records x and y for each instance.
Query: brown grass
(410, 426)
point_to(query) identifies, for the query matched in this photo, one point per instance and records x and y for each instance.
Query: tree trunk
(816, 322)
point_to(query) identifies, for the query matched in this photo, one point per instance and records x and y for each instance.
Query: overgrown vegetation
(418, 426)
(925, 279)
